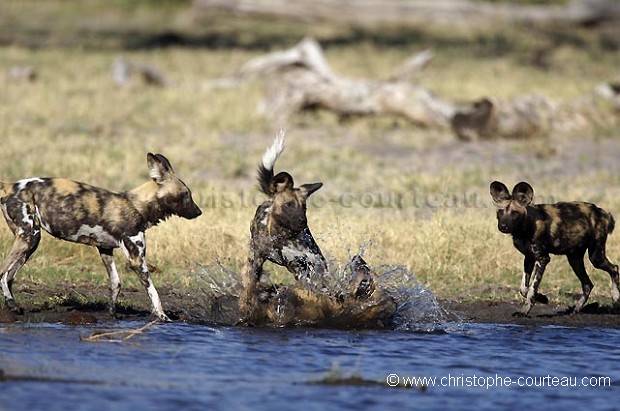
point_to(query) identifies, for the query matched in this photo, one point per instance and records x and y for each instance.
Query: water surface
(185, 366)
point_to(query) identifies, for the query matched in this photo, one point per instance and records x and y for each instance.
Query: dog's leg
(24, 224)
(539, 269)
(576, 263)
(24, 245)
(599, 260)
(135, 250)
(528, 267)
(248, 299)
(107, 256)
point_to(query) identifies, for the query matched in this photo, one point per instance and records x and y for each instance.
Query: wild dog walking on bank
(562, 229)
(81, 213)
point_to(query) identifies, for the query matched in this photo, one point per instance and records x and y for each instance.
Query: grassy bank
(418, 196)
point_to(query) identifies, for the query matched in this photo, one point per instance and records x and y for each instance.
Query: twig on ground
(118, 336)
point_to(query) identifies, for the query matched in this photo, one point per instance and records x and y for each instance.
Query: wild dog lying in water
(81, 213)
(563, 229)
(363, 304)
(280, 234)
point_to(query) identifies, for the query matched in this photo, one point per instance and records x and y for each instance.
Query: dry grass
(385, 182)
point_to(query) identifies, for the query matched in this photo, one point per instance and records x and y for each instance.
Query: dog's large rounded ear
(159, 167)
(523, 193)
(308, 189)
(499, 193)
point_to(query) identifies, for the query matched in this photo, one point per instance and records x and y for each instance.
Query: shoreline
(223, 312)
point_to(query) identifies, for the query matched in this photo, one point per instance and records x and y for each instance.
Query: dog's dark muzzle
(192, 212)
(504, 228)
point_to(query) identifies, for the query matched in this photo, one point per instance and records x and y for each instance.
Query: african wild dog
(279, 230)
(561, 228)
(89, 215)
(280, 234)
(364, 304)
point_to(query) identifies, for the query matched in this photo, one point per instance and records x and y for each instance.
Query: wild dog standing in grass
(89, 215)
(563, 229)
(279, 231)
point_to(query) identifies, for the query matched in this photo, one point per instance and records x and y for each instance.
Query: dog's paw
(161, 317)
(542, 299)
(12, 307)
(519, 314)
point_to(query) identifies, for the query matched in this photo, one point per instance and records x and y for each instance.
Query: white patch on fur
(5, 286)
(115, 280)
(265, 219)
(27, 218)
(139, 238)
(21, 184)
(615, 293)
(43, 223)
(157, 307)
(291, 253)
(141, 248)
(97, 233)
(524, 287)
(273, 152)
(155, 174)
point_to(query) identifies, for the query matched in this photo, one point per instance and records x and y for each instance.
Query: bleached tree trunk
(300, 79)
(364, 12)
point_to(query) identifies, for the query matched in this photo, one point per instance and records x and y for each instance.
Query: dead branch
(534, 116)
(583, 12)
(28, 73)
(300, 78)
(307, 53)
(124, 70)
(118, 336)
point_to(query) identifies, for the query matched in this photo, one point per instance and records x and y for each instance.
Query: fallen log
(124, 70)
(300, 79)
(469, 12)
(532, 116)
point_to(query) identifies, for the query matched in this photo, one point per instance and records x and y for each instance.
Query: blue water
(193, 367)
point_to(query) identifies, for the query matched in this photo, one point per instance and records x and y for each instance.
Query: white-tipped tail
(273, 152)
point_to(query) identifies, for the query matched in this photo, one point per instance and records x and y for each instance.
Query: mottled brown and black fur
(84, 214)
(279, 230)
(566, 228)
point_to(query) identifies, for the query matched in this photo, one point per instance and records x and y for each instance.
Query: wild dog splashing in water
(279, 231)
(280, 234)
(84, 214)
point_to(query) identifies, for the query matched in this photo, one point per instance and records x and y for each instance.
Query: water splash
(417, 307)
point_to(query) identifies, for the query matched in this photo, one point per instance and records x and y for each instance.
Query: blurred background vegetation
(72, 120)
